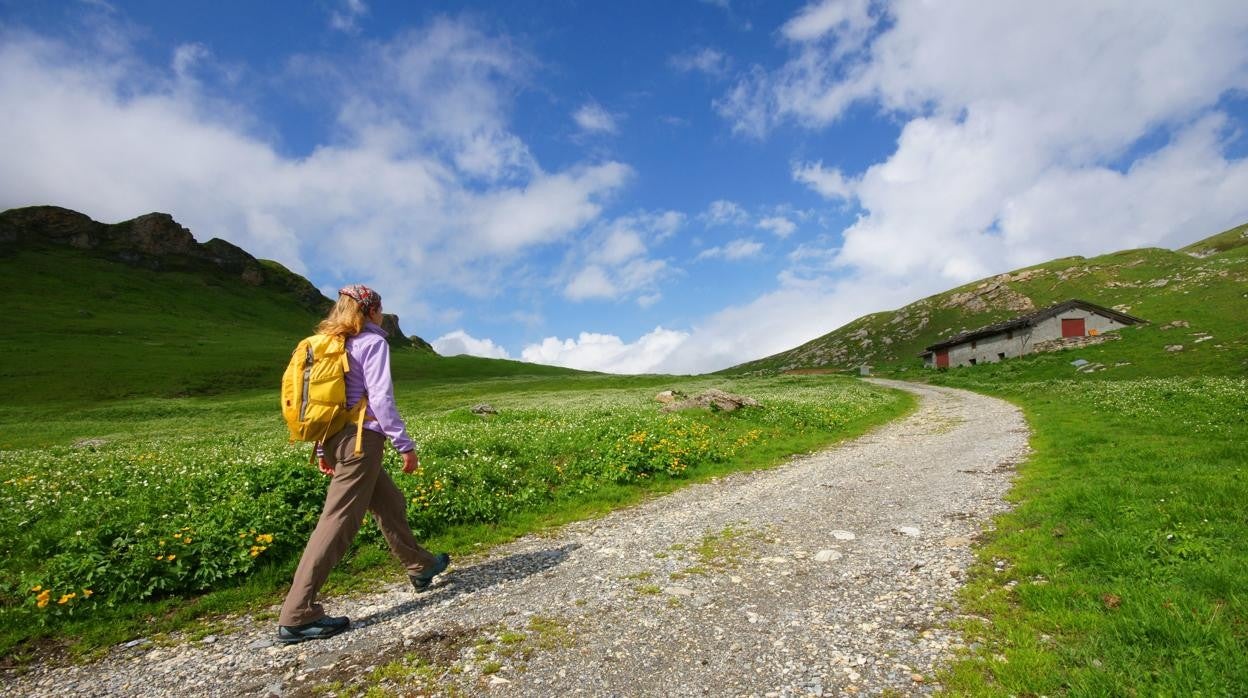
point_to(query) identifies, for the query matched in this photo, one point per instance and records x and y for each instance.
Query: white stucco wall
(1052, 327)
(992, 348)
(989, 349)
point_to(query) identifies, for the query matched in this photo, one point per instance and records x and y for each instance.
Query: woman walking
(358, 482)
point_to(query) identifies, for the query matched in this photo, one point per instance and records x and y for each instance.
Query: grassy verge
(193, 508)
(1122, 569)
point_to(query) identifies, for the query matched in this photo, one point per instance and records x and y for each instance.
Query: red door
(942, 358)
(1072, 327)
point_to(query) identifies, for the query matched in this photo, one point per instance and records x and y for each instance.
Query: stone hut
(1056, 326)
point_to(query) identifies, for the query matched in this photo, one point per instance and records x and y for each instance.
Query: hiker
(357, 483)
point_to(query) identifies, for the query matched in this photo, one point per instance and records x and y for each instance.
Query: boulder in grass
(667, 397)
(483, 409)
(713, 399)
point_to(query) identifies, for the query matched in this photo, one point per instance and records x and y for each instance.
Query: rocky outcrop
(152, 241)
(714, 400)
(396, 338)
(990, 295)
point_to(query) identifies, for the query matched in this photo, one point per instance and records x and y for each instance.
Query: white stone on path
(908, 531)
(827, 556)
(843, 535)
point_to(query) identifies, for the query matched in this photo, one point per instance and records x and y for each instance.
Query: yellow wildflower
(86, 593)
(42, 599)
(37, 587)
(65, 598)
(171, 558)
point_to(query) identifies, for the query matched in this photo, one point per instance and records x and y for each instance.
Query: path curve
(834, 573)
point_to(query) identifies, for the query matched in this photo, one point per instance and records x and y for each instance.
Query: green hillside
(1202, 285)
(97, 329)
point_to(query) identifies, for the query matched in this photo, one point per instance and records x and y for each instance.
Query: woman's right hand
(411, 461)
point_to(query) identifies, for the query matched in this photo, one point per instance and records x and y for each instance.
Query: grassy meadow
(145, 478)
(1122, 569)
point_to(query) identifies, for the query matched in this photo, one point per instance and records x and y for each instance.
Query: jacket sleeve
(380, 387)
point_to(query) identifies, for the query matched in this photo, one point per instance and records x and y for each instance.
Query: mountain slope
(1202, 285)
(141, 309)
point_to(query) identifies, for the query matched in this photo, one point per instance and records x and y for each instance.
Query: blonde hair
(345, 319)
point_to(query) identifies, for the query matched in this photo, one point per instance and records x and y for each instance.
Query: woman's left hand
(411, 462)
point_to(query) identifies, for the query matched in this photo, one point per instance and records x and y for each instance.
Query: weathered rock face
(152, 241)
(990, 295)
(396, 338)
(712, 399)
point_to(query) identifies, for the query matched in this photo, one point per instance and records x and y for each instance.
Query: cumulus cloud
(460, 342)
(846, 22)
(829, 183)
(724, 212)
(593, 118)
(1017, 146)
(346, 16)
(606, 352)
(614, 260)
(1013, 152)
(590, 282)
(779, 225)
(741, 248)
(421, 165)
(703, 60)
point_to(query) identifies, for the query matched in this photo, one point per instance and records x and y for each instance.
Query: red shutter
(1072, 327)
(942, 358)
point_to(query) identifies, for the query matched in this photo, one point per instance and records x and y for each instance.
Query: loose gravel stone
(748, 609)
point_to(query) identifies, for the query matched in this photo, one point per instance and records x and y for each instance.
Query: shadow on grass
(478, 577)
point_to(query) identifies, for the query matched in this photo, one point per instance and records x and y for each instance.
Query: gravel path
(833, 574)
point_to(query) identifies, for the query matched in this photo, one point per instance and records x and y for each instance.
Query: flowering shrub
(138, 519)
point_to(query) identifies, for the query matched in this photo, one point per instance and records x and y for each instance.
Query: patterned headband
(365, 296)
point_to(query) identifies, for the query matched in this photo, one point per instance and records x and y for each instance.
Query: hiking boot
(319, 629)
(421, 581)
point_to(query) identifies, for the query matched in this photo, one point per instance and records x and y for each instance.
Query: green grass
(1125, 559)
(145, 482)
(1122, 564)
(195, 506)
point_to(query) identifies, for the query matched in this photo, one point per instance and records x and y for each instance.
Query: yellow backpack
(314, 392)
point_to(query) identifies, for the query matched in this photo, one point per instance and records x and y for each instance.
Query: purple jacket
(368, 355)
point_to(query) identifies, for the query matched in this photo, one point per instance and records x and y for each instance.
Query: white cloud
(613, 261)
(829, 183)
(346, 17)
(590, 282)
(724, 212)
(779, 225)
(704, 60)
(592, 118)
(604, 352)
(460, 342)
(1017, 146)
(741, 248)
(848, 21)
(421, 184)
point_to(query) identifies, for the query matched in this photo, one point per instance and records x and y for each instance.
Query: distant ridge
(157, 242)
(152, 241)
(1204, 278)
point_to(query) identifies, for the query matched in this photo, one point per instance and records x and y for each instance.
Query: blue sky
(666, 186)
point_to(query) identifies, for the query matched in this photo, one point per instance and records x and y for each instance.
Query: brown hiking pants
(359, 484)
